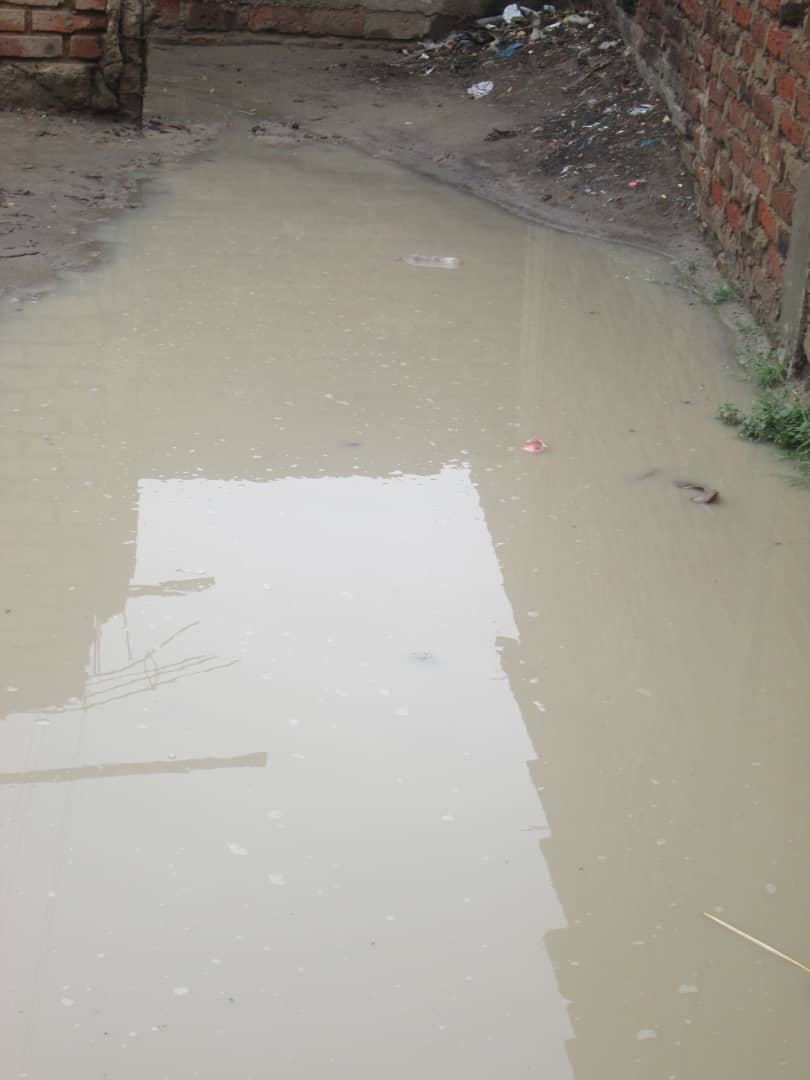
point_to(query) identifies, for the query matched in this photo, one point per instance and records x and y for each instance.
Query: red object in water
(534, 446)
(633, 184)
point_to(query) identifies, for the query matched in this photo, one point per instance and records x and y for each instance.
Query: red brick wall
(52, 30)
(398, 19)
(740, 73)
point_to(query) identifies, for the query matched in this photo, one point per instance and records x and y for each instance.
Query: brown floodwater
(340, 736)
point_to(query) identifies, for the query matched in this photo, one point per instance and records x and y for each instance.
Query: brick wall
(737, 78)
(396, 19)
(74, 54)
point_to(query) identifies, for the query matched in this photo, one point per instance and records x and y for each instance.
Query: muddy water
(341, 736)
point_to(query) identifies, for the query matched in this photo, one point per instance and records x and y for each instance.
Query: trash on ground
(510, 50)
(639, 110)
(756, 941)
(512, 12)
(705, 494)
(436, 262)
(534, 446)
(500, 133)
(481, 89)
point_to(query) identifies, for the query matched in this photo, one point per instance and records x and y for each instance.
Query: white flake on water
(770, 888)
(401, 712)
(180, 991)
(687, 988)
(67, 1002)
(274, 815)
(646, 1033)
(539, 706)
(276, 879)
(235, 849)
(448, 817)
(346, 595)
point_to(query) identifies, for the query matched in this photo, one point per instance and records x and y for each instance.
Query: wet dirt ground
(343, 737)
(572, 145)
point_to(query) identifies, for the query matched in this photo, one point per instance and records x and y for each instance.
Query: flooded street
(343, 738)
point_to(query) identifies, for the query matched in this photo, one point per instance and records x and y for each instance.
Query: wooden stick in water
(756, 941)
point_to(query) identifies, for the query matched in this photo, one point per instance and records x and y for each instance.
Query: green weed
(723, 295)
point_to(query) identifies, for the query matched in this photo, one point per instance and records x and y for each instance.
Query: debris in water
(705, 494)
(500, 133)
(756, 941)
(438, 262)
(481, 89)
(534, 446)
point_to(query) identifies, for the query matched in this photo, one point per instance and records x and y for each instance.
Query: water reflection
(264, 496)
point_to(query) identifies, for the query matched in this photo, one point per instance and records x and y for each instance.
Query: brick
(734, 214)
(718, 92)
(763, 109)
(741, 157)
(767, 220)
(770, 5)
(209, 15)
(776, 265)
(398, 25)
(718, 194)
(785, 86)
(85, 46)
(57, 22)
(694, 11)
(777, 42)
(799, 59)
(759, 30)
(747, 53)
(37, 3)
(13, 21)
(285, 20)
(731, 78)
(782, 202)
(705, 53)
(802, 105)
(335, 23)
(727, 6)
(737, 114)
(167, 13)
(761, 177)
(30, 46)
(90, 5)
(96, 20)
(742, 15)
(791, 129)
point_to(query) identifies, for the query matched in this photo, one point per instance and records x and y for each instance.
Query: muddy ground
(566, 136)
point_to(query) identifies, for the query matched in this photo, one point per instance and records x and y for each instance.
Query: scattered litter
(705, 494)
(510, 50)
(500, 133)
(436, 262)
(534, 446)
(639, 110)
(481, 89)
(634, 184)
(648, 142)
(512, 12)
(577, 20)
(756, 941)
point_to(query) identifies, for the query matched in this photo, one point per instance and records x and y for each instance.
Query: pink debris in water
(534, 446)
(633, 184)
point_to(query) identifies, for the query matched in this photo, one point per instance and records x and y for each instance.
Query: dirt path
(554, 142)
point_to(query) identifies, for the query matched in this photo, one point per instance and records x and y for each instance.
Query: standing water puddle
(342, 737)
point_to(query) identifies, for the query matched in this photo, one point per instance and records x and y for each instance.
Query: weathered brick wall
(397, 19)
(74, 54)
(736, 76)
